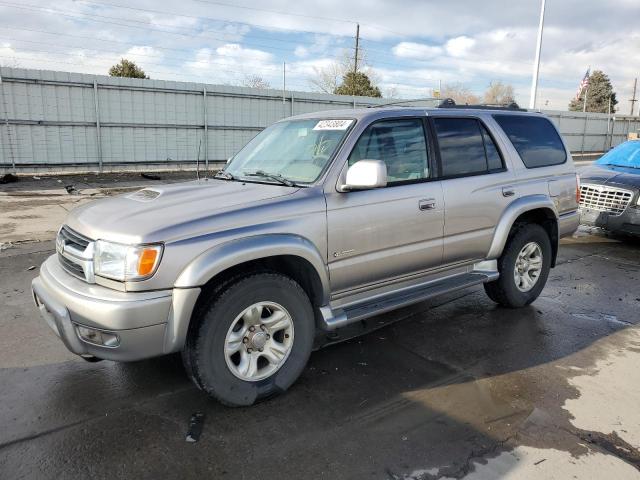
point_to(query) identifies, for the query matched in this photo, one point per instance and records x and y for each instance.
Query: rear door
(387, 233)
(476, 185)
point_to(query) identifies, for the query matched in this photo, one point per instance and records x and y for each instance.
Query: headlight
(126, 262)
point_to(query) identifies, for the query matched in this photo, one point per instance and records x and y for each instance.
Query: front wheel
(524, 267)
(253, 339)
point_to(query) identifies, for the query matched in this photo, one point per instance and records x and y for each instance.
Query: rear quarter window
(535, 139)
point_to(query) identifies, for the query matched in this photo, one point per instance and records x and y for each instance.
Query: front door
(387, 233)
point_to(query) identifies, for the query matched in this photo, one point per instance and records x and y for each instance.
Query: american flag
(583, 84)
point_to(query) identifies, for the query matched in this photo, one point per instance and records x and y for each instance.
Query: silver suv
(320, 221)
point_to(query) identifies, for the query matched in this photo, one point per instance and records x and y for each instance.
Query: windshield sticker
(303, 132)
(333, 124)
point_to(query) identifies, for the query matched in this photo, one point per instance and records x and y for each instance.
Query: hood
(611, 175)
(142, 216)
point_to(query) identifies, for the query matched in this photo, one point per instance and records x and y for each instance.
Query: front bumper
(147, 324)
(628, 222)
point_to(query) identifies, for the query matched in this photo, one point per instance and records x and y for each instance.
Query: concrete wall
(50, 120)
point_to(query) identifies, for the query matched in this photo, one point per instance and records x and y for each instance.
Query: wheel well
(547, 220)
(292, 266)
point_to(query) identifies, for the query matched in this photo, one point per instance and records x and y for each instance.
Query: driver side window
(400, 144)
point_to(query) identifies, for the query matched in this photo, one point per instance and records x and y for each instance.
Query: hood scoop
(144, 195)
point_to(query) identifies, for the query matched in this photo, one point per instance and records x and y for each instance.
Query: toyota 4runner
(320, 221)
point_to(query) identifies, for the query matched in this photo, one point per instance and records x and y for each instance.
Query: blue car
(610, 190)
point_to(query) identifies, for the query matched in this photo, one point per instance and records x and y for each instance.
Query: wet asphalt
(446, 383)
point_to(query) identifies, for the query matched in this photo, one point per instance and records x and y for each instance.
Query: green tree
(357, 83)
(126, 68)
(598, 93)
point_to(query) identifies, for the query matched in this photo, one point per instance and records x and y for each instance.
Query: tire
(505, 291)
(222, 325)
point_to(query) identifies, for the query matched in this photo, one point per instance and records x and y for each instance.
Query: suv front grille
(604, 198)
(75, 253)
(71, 267)
(74, 239)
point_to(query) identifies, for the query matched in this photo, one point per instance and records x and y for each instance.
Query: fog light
(98, 337)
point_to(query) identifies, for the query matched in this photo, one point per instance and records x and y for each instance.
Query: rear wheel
(252, 340)
(524, 267)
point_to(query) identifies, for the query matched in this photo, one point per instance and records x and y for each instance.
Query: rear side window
(535, 139)
(466, 148)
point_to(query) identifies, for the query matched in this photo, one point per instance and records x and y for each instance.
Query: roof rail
(400, 103)
(450, 103)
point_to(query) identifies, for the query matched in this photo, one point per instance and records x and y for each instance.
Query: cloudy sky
(411, 45)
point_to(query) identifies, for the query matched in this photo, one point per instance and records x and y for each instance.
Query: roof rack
(450, 103)
(401, 103)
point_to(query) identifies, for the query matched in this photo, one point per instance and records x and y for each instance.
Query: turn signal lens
(147, 261)
(577, 189)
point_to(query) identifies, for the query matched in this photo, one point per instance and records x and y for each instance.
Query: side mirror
(366, 174)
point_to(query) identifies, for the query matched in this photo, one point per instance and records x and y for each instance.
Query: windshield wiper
(272, 176)
(224, 175)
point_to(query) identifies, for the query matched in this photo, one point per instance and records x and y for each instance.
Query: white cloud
(459, 46)
(418, 51)
(238, 52)
(301, 51)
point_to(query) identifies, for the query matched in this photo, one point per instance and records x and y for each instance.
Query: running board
(369, 308)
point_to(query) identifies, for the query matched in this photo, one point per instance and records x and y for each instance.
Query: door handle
(427, 204)
(508, 191)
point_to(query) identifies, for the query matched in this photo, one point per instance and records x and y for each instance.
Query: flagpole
(584, 105)
(586, 90)
(536, 65)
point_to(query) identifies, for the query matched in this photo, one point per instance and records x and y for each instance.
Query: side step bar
(369, 308)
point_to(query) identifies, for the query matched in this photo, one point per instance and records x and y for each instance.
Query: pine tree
(598, 93)
(357, 83)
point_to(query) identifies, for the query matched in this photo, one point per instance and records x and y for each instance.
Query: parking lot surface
(452, 388)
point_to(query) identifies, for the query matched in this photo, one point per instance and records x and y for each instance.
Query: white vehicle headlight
(126, 262)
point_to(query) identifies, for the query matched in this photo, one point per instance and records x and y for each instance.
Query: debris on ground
(196, 424)
(9, 178)
(32, 267)
(150, 176)
(71, 190)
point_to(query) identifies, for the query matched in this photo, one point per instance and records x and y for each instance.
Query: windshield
(626, 154)
(296, 151)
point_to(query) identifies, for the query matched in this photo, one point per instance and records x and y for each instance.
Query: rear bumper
(628, 222)
(568, 223)
(146, 324)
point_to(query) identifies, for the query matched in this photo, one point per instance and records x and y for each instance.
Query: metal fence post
(98, 135)
(292, 114)
(613, 131)
(584, 134)
(206, 130)
(6, 120)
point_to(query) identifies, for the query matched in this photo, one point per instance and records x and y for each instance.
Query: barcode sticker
(333, 124)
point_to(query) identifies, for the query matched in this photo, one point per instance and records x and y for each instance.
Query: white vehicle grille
(604, 198)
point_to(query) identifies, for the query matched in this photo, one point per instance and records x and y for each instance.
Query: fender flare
(221, 257)
(511, 213)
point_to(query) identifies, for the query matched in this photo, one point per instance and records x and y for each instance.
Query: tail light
(577, 189)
